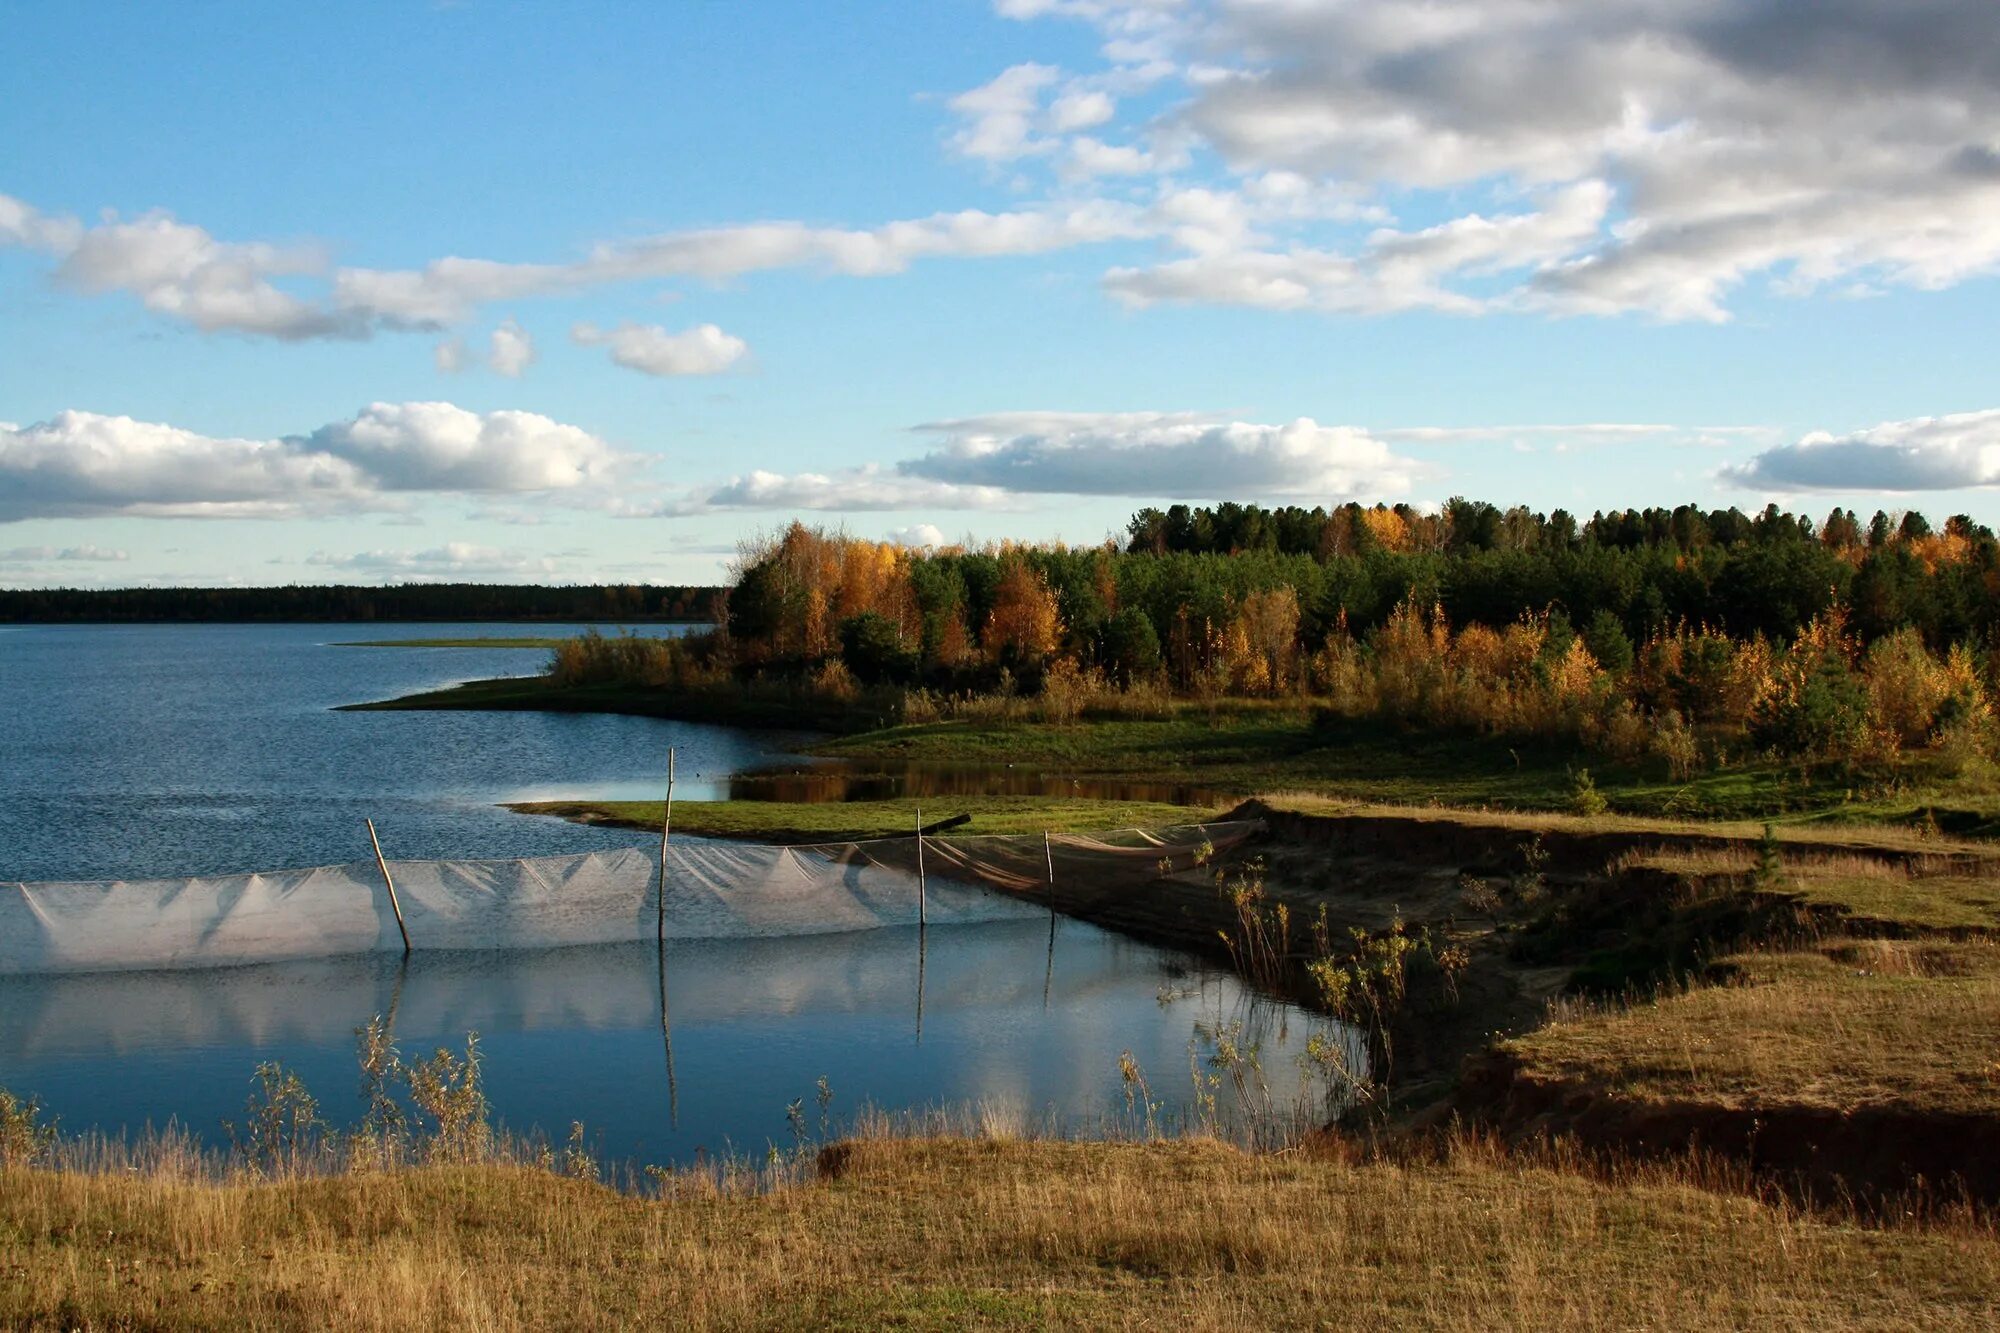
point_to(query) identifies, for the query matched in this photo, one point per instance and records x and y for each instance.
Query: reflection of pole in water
(1049, 978)
(396, 993)
(922, 948)
(667, 1036)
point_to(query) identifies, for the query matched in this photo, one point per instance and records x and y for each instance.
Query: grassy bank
(951, 1233)
(847, 821)
(1843, 1026)
(1248, 747)
(1245, 746)
(476, 641)
(777, 708)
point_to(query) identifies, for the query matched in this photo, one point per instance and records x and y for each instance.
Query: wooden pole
(666, 830)
(1049, 976)
(389, 880)
(923, 911)
(1048, 852)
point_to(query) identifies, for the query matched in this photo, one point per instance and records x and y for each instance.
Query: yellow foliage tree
(1025, 622)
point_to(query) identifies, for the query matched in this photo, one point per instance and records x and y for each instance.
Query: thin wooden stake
(389, 880)
(666, 829)
(1049, 976)
(923, 911)
(1049, 853)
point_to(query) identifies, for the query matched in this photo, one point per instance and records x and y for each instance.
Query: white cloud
(1081, 109)
(1001, 115)
(871, 488)
(39, 554)
(702, 350)
(918, 535)
(443, 447)
(1923, 454)
(25, 226)
(510, 350)
(83, 463)
(1838, 145)
(1175, 455)
(180, 270)
(451, 356)
(1086, 157)
(451, 561)
(1394, 270)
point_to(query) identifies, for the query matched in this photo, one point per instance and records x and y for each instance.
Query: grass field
(846, 821)
(1853, 1024)
(956, 1233)
(1243, 746)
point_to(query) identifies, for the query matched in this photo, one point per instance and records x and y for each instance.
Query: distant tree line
(341, 602)
(1680, 634)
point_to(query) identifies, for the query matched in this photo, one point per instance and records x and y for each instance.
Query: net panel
(712, 890)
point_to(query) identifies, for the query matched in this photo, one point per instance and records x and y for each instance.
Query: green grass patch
(476, 641)
(848, 821)
(1250, 747)
(1245, 746)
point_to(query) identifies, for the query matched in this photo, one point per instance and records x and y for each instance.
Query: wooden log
(394, 903)
(944, 825)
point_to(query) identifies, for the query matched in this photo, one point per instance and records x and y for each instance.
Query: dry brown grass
(1907, 1023)
(958, 1232)
(1860, 839)
(1920, 892)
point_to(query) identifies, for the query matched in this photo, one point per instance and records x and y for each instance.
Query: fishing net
(712, 890)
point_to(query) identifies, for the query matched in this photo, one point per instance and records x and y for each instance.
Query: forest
(1681, 635)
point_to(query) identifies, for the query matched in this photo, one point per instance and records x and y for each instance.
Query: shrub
(1584, 798)
(872, 647)
(24, 1139)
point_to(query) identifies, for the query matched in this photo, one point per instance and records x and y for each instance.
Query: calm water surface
(173, 750)
(576, 1034)
(135, 750)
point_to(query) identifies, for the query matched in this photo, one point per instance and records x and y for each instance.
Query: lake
(176, 750)
(135, 750)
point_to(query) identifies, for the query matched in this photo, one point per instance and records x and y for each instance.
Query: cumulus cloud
(510, 350)
(180, 270)
(919, 535)
(1171, 455)
(1393, 270)
(84, 463)
(1001, 115)
(1923, 454)
(1805, 145)
(652, 350)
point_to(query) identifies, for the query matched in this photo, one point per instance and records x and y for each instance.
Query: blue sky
(958, 269)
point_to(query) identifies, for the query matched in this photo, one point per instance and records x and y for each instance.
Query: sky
(582, 292)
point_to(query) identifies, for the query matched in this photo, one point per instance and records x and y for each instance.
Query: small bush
(1584, 798)
(24, 1139)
